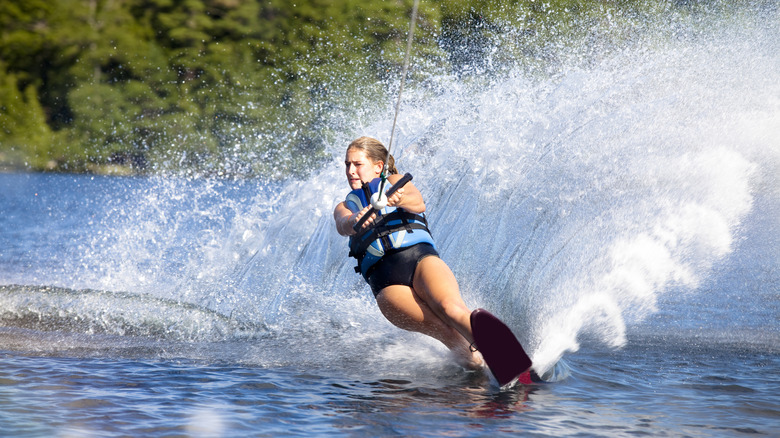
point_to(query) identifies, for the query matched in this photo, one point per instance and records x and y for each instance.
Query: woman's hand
(407, 197)
(346, 219)
(396, 198)
(355, 218)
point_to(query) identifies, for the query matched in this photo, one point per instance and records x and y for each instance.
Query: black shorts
(397, 268)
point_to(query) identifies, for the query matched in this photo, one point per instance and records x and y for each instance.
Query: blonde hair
(375, 151)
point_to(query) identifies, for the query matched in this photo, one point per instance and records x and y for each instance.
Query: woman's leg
(435, 284)
(404, 309)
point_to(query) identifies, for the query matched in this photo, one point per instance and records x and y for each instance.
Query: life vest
(393, 228)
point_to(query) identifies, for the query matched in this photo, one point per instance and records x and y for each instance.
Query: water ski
(501, 350)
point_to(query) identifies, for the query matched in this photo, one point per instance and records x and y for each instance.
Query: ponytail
(391, 170)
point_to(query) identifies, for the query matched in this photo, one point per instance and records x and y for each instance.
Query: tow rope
(379, 200)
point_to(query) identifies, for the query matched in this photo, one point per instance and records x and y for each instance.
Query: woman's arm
(346, 219)
(407, 197)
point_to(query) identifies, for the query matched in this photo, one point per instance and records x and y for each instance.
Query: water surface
(620, 214)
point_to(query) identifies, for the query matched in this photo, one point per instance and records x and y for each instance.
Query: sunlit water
(621, 214)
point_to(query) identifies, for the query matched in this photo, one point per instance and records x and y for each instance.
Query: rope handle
(398, 184)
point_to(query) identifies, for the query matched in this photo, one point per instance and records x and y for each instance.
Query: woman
(414, 288)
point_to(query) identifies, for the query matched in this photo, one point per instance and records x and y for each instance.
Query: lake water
(622, 217)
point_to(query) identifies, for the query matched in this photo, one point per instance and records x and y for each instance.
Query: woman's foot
(465, 357)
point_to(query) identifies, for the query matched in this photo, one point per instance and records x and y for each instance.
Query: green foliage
(243, 86)
(173, 84)
(26, 138)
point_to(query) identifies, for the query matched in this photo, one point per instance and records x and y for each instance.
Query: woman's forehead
(356, 155)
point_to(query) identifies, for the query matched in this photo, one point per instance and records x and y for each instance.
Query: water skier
(414, 289)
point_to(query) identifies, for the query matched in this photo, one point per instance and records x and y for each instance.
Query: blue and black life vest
(394, 228)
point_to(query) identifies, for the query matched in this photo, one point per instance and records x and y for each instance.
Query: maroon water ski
(500, 348)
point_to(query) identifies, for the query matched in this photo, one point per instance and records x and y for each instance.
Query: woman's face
(360, 169)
